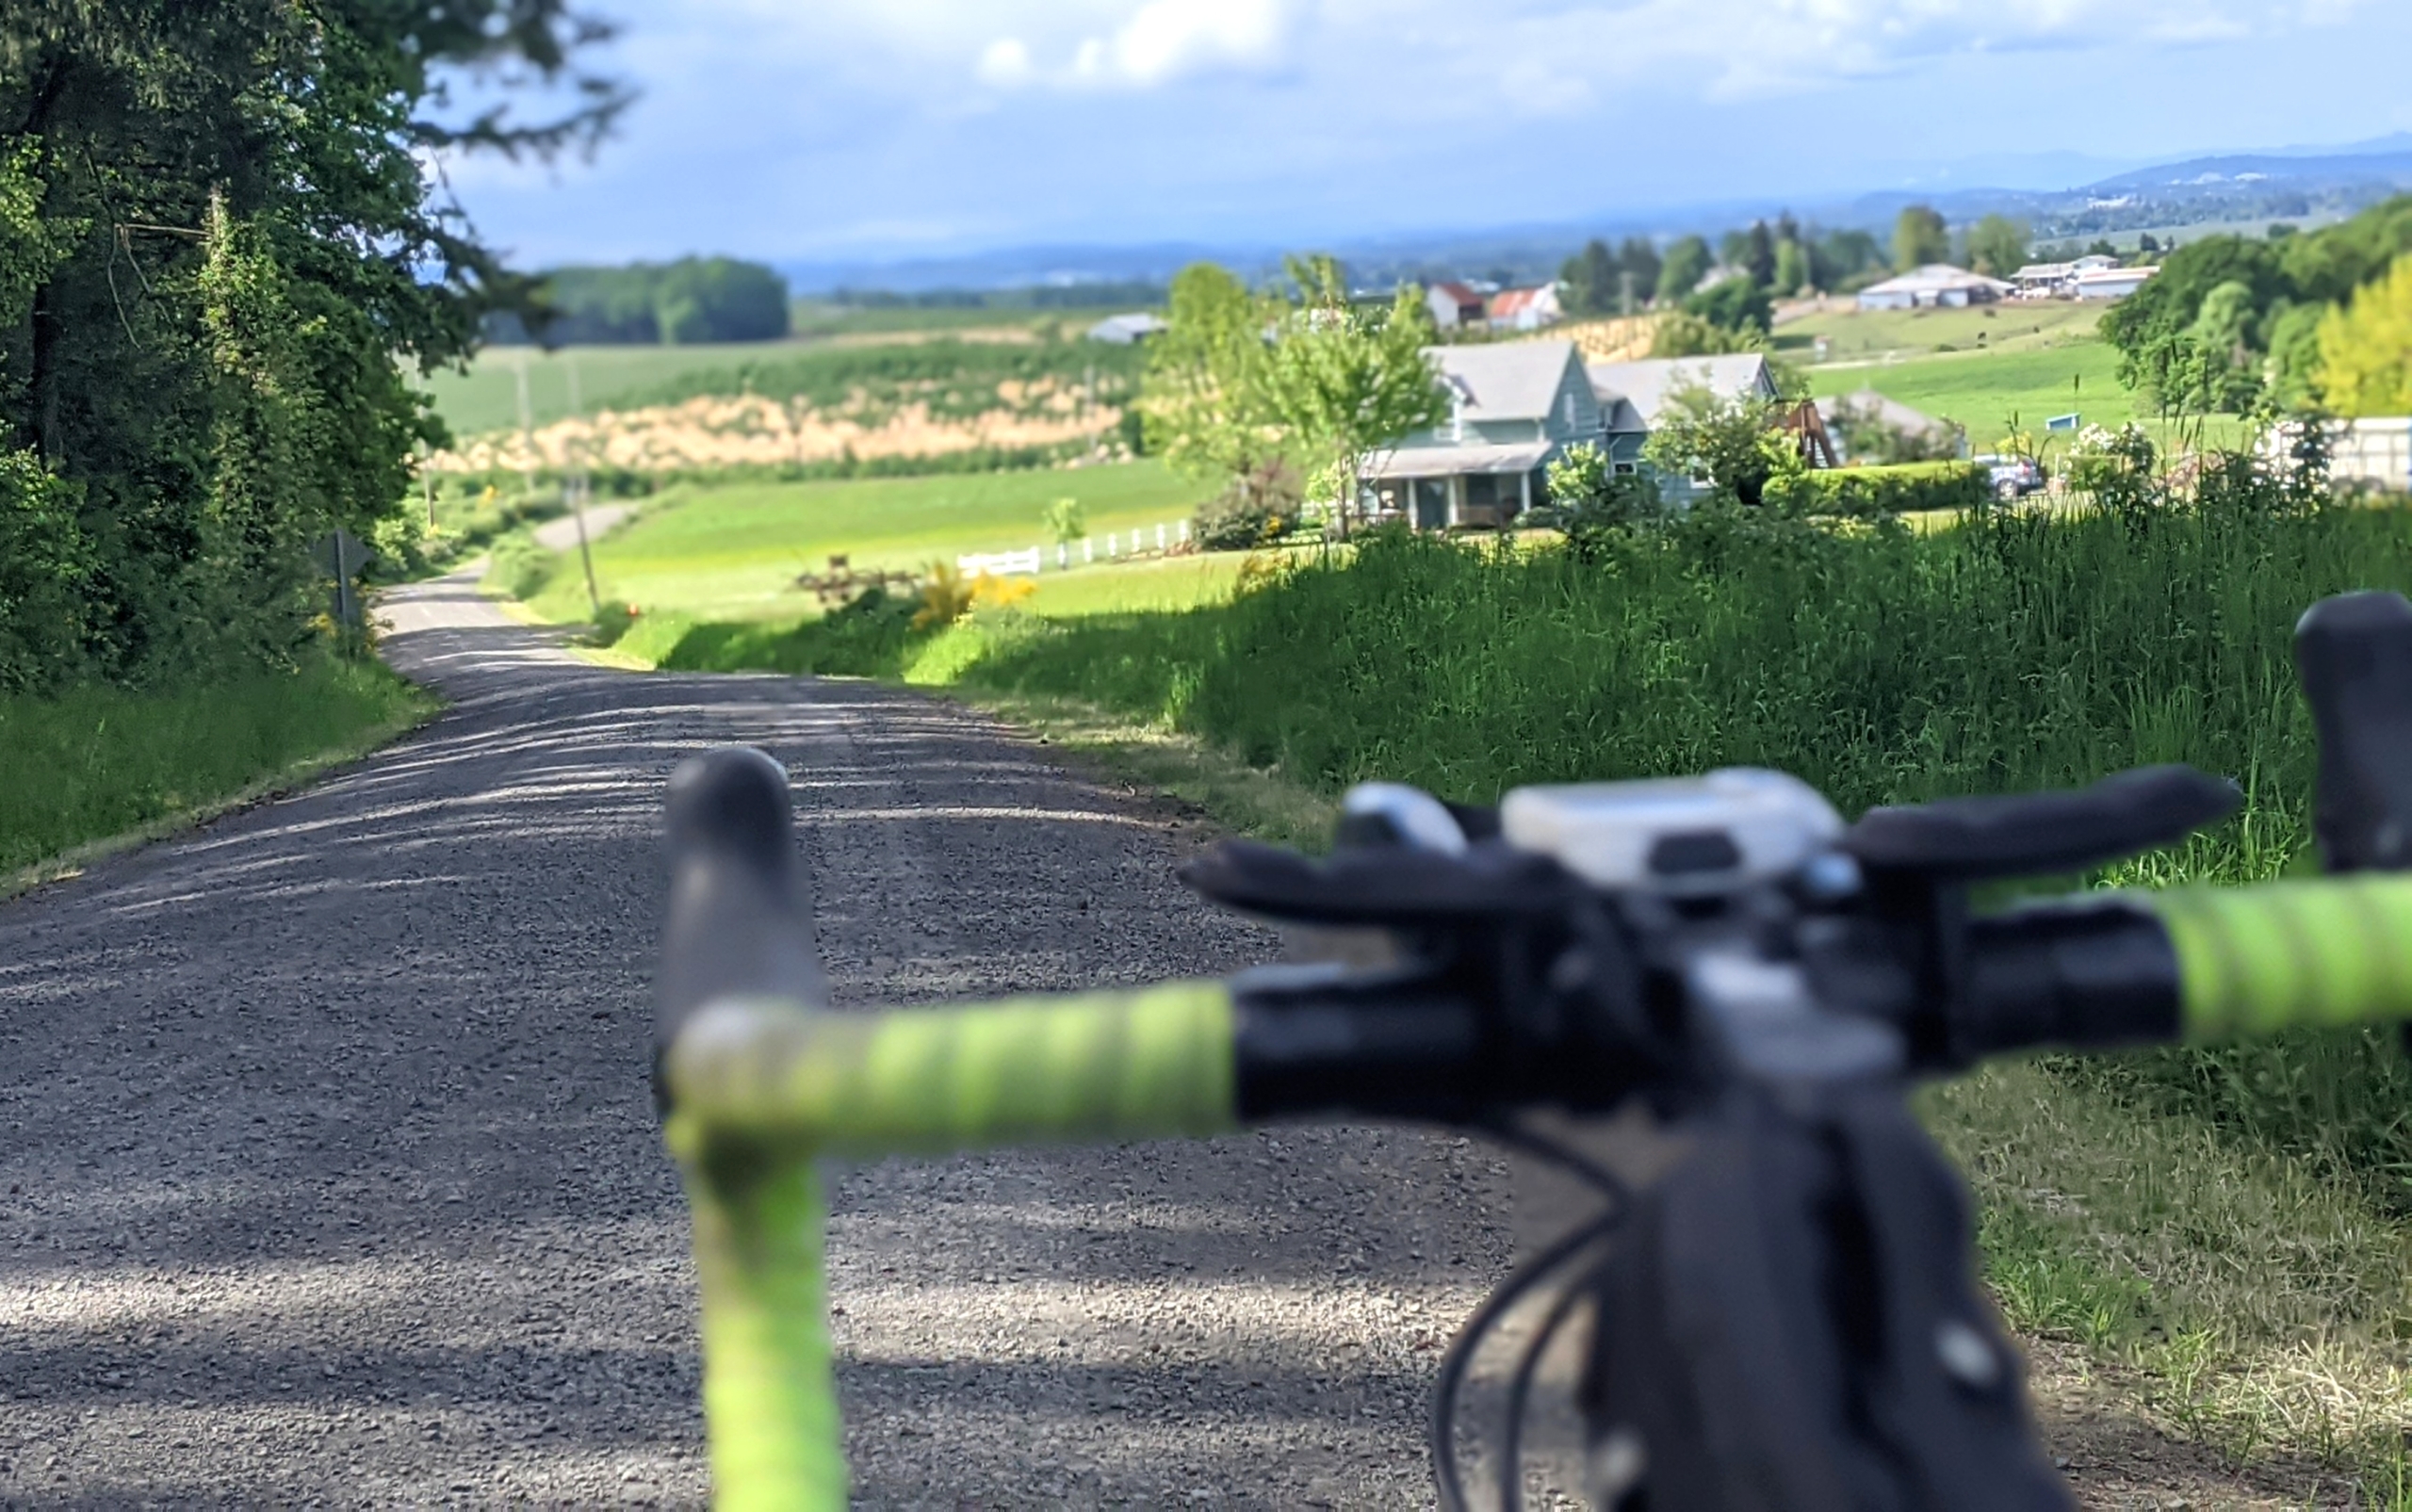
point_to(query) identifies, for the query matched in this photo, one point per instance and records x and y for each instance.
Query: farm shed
(1935, 287)
(1128, 329)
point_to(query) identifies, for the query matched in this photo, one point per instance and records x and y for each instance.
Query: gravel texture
(330, 1174)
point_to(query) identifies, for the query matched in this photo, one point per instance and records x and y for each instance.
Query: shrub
(1258, 507)
(1877, 493)
(521, 567)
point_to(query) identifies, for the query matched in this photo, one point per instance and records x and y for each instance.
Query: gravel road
(330, 1174)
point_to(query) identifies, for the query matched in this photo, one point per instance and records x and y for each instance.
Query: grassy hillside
(735, 552)
(1859, 335)
(486, 396)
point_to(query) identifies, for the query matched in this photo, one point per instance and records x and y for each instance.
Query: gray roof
(1935, 277)
(1631, 393)
(1869, 404)
(1507, 381)
(1123, 330)
(1449, 461)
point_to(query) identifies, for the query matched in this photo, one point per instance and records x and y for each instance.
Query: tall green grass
(99, 762)
(2014, 652)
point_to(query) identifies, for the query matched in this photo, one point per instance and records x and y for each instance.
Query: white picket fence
(1114, 545)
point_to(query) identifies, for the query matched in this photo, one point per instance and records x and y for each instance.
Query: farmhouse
(1453, 306)
(1937, 285)
(1513, 409)
(1525, 309)
(2044, 280)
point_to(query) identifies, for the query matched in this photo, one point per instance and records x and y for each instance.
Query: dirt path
(330, 1176)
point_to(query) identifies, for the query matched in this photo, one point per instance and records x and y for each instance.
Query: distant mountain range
(2273, 183)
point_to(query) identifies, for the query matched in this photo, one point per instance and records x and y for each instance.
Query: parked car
(2013, 477)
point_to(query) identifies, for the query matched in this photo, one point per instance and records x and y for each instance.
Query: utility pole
(576, 487)
(526, 435)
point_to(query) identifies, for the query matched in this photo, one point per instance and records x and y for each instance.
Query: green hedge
(1870, 493)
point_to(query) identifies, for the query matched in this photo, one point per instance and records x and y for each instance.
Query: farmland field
(1853, 335)
(735, 551)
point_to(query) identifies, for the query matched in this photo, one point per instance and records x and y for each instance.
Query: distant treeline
(1136, 292)
(690, 300)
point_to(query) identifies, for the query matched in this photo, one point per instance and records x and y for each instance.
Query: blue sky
(892, 128)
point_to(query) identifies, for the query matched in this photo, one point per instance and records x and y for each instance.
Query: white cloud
(1162, 41)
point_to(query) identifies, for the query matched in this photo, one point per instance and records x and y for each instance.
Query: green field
(814, 317)
(734, 552)
(1860, 335)
(1993, 393)
(486, 398)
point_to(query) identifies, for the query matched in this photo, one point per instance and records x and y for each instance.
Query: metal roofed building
(2110, 282)
(1128, 329)
(1935, 287)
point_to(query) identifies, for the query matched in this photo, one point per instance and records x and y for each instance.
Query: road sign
(2062, 422)
(345, 557)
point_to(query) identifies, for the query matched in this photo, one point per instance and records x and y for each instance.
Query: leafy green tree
(1637, 261)
(1758, 254)
(1843, 256)
(1737, 304)
(1998, 246)
(2365, 348)
(1202, 402)
(1345, 383)
(1919, 237)
(2155, 328)
(1592, 503)
(221, 262)
(1065, 521)
(1686, 264)
(693, 300)
(2291, 337)
(1685, 334)
(1730, 441)
(1792, 272)
(1591, 277)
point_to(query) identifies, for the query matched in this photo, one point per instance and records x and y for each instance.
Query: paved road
(601, 520)
(329, 1173)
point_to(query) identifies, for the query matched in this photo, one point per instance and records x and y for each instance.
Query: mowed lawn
(1994, 393)
(734, 552)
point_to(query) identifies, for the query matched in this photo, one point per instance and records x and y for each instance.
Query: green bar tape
(1100, 1066)
(767, 1392)
(2254, 960)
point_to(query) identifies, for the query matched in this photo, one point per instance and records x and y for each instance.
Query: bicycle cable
(1448, 1477)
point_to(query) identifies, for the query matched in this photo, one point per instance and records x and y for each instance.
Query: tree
(2154, 329)
(1344, 384)
(1592, 276)
(1637, 262)
(1202, 402)
(1791, 268)
(1686, 264)
(1998, 246)
(1919, 237)
(1065, 521)
(693, 300)
(1843, 256)
(1685, 334)
(1730, 442)
(2365, 348)
(232, 267)
(1736, 305)
(1758, 254)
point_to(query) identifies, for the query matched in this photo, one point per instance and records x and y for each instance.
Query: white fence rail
(999, 564)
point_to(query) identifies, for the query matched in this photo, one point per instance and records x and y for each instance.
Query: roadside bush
(45, 561)
(521, 568)
(1251, 511)
(1879, 493)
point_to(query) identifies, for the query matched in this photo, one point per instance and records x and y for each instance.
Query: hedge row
(1868, 492)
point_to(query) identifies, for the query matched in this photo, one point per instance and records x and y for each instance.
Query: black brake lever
(2353, 654)
(2025, 835)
